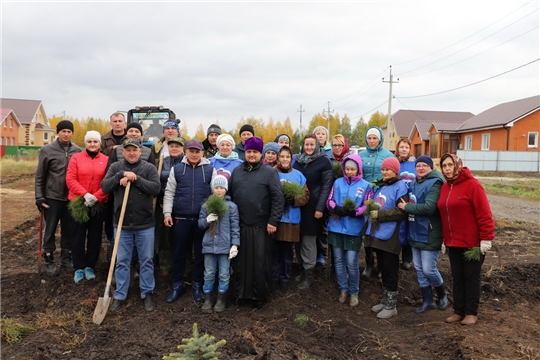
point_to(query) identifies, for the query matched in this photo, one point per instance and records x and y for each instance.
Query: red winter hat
(391, 163)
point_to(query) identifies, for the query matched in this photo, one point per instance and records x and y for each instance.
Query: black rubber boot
(370, 262)
(427, 303)
(66, 264)
(207, 306)
(178, 290)
(308, 279)
(442, 303)
(197, 291)
(300, 277)
(221, 302)
(50, 266)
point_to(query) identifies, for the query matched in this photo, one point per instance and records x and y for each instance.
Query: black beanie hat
(64, 124)
(247, 127)
(134, 125)
(213, 129)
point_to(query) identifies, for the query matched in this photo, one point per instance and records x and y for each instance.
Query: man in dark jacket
(138, 223)
(210, 143)
(113, 138)
(52, 195)
(256, 189)
(170, 130)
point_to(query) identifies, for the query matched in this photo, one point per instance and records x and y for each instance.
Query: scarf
(233, 156)
(458, 166)
(305, 159)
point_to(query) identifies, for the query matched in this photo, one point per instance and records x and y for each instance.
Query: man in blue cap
(170, 130)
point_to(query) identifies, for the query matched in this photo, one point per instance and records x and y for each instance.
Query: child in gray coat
(219, 246)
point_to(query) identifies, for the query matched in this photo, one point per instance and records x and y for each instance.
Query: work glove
(443, 249)
(233, 252)
(39, 204)
(350, 212)
(90, 200)
(374, 214)
(211, 217)
(339, 210)
(485, 245)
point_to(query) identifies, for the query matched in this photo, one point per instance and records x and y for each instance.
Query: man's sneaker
(320, 260)
(116, 304)
(89, 273)
(149, 304)
(79, 275)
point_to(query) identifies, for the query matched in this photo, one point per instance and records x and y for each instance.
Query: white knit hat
(225, 137)
(374, 131)
(220, 180)
(92, 135)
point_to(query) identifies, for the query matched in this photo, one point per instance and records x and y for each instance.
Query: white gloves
(443, 249)
(211, 218)
(90, 200)
(485, 245)
(233, 252)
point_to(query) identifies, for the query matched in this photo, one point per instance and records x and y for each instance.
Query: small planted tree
(197, 347)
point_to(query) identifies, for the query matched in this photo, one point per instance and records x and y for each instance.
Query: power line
(474, 83)
(465, 48)
(449, 46)
(367, 112)
(374, 81)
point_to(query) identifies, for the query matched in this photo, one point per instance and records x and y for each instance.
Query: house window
(10, 123)
(434, 145)
(5, 123)
(32, 135)
(46, 136)
(2, 140)
(485, 142)
(13, 141)
(533, 140)
(468, 142)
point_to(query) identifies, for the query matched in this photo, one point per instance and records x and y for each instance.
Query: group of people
(251, 206)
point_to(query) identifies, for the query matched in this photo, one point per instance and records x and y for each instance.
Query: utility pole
(301, 128)
(386, 143)
(328, 118)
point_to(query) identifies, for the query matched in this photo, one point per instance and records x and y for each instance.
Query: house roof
(44, 127)
(4, 113)
(423, 130)
(404, 120)
(502, 114)
(25, 109)
(446, 125)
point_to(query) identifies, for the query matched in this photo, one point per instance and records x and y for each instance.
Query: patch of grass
(301, 319)
(16, 165)
(523, 189)
(13, 330)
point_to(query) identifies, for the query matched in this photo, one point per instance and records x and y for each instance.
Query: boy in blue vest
(187, 188)
(219, 246)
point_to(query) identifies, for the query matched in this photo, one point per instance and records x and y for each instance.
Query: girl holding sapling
(296, 194)
(468, 228)
(219, 216)
(346, 203)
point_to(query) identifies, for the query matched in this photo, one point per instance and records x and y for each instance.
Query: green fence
(19, 150)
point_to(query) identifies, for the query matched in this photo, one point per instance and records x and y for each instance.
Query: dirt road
(514, 209)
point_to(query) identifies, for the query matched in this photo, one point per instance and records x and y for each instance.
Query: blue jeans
(144, 241)
(212, 262)
(346, 265)
(425, 263)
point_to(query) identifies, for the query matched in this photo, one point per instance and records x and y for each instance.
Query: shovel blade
(101, 310)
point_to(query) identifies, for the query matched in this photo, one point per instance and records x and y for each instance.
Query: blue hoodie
(355, 188)
(373, 157)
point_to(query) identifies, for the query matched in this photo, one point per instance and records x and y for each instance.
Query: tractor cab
(151, 119)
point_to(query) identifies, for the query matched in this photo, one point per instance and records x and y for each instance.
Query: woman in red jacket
(84, 174)
(467, 223)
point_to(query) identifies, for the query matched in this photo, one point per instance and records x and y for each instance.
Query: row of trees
(266, 130)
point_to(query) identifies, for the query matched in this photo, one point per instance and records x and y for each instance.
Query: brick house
(510, 126)
(35, 129)
(9, 127)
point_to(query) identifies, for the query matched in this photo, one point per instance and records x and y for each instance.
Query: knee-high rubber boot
(50, 266)
(427, 303)
(207, 306)
(221, 302)
(302, 275)
(377, 308)
(66, 262)
(442, 303)
(308, 279)
(370, 261)
(390, 306)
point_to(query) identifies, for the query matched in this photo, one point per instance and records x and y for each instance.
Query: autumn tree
(184, 131)
(357, 137)
(200, 134)
(345, 128)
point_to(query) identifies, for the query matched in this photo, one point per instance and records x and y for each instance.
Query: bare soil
(508, 325)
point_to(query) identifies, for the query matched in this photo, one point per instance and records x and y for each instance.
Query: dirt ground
(508, 325)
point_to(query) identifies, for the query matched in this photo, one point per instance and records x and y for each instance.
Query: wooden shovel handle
(117, 237)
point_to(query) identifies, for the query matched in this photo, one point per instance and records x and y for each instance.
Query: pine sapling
(79, 211)
(336, 170)
(216, 205)
(370, 206)
(473, 254)
(291, 190)
(348, 205)
(197, 347)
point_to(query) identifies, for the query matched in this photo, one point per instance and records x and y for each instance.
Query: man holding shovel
(138, 223)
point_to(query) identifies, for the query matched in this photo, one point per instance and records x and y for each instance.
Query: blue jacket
(373, 158)
(187, 188)
(355, 188)
(387, 197)
(227, 230)
(292, 216)
(168, 163)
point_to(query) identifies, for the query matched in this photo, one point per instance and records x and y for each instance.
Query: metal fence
(524, 161)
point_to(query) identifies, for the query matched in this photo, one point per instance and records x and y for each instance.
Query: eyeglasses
(337, 145)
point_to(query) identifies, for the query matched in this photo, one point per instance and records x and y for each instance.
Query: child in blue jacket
(218, 249)
(345, 225)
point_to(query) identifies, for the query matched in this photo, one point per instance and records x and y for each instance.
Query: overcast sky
(222, 61)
